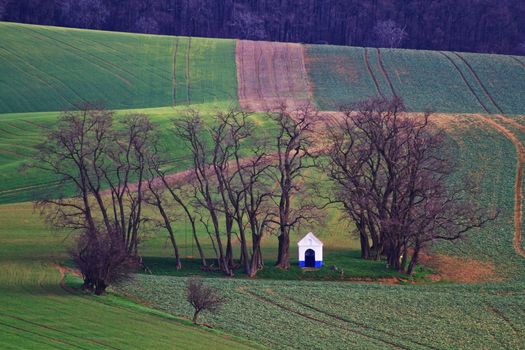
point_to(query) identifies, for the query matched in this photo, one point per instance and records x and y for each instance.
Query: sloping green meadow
(426, 80)
(21, 132)
(52, 69)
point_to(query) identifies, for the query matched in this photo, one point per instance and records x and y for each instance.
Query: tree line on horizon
(495, 26)
(388, 174)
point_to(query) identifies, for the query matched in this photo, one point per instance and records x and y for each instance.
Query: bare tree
(292, 149)
(389, 173)
(197, 137)
(202, 297)
(100, 163)
(389, 34)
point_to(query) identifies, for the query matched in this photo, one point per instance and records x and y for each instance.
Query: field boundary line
(312, 318)
(475, 75)
(518, 186)
(464, 78)
(239, 60)
(385, 73)
(371, 73)
(306, 77)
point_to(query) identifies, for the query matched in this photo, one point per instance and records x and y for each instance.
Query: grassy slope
(424, 79)
(19, 133)
(35, 312)
(51, 69)
(274, 312)
(446, 316)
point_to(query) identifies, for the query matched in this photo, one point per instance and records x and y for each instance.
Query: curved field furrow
(471, 89)
(369, 68)
(102, 62)
(55, 330)
(478, 80)
(19, 59)
(518, 198)
(518, 60)
(270, 74)
(385, 73)
(352, 322)
(315, 319)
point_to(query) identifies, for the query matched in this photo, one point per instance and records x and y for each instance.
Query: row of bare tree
(387, 172)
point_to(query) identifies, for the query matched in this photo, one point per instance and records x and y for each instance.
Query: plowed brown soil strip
(518, 198)
(269, 74)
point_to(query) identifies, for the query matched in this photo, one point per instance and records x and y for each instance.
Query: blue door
(309, 258)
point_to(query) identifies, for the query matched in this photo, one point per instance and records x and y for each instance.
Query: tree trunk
(283, 258)
(413, 261)
(100, 287)
(195, 316)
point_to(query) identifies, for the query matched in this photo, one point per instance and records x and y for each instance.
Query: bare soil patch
(459, 270)
(270, 74)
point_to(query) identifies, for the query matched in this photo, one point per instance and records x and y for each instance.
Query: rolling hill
(52, 69)
(479, 100)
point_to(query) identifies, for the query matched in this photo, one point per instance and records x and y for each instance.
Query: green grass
(35, 312)
(21, 132)
(52, 68)
(292, 314)
(426, 80)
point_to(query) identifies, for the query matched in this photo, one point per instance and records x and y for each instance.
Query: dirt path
(269, 74)
(518, 186)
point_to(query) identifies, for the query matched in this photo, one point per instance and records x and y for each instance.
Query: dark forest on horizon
(491, 26)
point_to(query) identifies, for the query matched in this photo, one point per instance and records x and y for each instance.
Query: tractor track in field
(518, 186)
(355, 323)
(464, 78)
(371, 73)
(501, 315)
(518, 60)
(318, 320)
(187, 72)
(59, 331)
(478, 80)
(43, 81)
(102, 60)
(174, 79)
(385, 73)
(56, 340)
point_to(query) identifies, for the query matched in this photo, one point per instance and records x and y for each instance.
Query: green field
(20, 133)
(36, 312)
(283, 314)
(52, 69)
(45, 69)
(426, 80)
